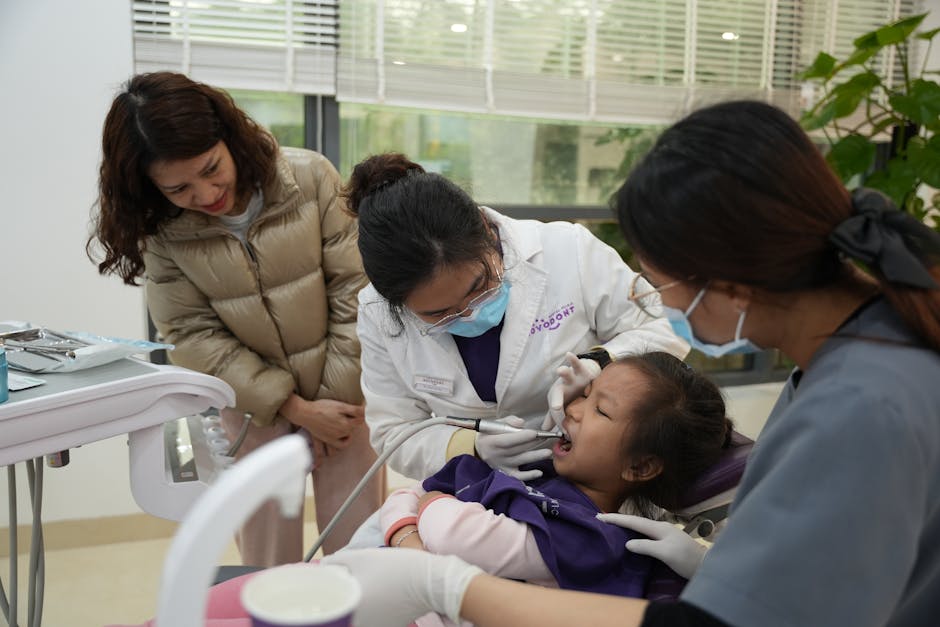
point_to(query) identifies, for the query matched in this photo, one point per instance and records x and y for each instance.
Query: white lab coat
(568, 292)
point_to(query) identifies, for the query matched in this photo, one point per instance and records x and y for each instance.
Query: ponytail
(902, 253)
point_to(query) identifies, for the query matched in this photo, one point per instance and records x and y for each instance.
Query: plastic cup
(301, 595)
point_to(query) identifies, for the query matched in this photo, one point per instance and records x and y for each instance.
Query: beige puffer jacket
(278, 317)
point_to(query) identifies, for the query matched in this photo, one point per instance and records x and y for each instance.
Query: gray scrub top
(837, 518)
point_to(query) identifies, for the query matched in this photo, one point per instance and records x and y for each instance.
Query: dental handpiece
(493, 427)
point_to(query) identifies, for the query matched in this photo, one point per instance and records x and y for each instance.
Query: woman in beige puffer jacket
(252, 271)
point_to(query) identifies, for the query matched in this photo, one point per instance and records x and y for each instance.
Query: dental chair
(277, 470)
(704, 508)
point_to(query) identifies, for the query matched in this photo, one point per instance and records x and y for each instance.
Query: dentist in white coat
(470, 313)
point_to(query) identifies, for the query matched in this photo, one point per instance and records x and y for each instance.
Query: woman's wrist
(288, 405)
(291, 408)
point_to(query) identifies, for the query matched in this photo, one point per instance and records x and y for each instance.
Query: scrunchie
(881, 236)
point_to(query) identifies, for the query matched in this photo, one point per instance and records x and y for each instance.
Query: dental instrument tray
(42, 350)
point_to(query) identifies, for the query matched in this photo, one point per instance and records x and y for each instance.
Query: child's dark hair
(681, 420)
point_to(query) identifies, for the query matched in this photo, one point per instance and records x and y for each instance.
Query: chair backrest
(706, 502)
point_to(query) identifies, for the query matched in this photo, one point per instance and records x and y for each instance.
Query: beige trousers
(268, 538)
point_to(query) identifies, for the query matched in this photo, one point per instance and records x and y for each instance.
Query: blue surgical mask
(482, 319)
(680, 325)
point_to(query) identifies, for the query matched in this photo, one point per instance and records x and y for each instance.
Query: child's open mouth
(562, 446)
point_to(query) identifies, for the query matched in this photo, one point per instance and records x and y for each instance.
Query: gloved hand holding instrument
(508, 451)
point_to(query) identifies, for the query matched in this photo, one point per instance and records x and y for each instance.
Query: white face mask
(683, 328)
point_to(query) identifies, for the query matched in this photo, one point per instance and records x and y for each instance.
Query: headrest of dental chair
(724, 475)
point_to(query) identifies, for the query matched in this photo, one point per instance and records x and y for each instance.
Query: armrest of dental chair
(706, 503)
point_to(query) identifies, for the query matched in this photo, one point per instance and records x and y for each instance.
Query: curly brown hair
(164, 116)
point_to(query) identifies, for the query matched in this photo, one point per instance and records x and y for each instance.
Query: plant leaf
(896, 32)
(851, 155)
(929, 34)
(898, 180)
(859, 56)
(822, 67)
(847, 96)
(925, 158)
(921, 104)
(813, 121)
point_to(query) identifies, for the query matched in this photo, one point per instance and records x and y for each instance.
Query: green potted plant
(882, 135)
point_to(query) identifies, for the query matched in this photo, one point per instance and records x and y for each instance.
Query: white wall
(62, 63)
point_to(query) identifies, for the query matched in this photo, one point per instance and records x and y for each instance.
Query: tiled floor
(107, 584)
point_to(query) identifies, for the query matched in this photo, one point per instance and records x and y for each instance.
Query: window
(241, 44)
(627, 61)
(280, 113)
(551, 162)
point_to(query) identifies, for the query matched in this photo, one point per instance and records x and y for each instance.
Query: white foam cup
(302, 595)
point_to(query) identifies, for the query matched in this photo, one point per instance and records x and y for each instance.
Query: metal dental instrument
(40, 350)
(492, 426)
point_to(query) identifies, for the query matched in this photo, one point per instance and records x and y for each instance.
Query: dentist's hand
(508, 451)
(399, 585)
(667, 543)
(573, 376)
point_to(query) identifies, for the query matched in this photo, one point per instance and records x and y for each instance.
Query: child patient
(641, 433)
(639, 436)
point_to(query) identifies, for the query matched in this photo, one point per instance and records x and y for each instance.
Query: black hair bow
(894, 242)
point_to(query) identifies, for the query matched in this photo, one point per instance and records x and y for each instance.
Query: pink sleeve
(399, 509)
(499, 545)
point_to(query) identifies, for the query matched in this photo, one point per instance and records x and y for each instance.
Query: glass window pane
(550, 162)
(280, 113)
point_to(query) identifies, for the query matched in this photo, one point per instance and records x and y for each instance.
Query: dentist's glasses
(475, 303)
(647, 297)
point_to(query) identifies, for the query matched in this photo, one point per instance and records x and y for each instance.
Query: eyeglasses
(475, 303)
(649, 301)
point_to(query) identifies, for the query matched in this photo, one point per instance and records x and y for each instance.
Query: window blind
(625, 61)
(833, 27)
(622, 61)
(276, 45)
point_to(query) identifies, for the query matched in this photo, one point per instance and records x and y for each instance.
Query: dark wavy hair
(681, 420)
(411, 224)
(164, 116)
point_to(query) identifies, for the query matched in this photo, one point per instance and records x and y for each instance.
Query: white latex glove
(508, 451)
(573, 376)
(667, 543)
(399, 585)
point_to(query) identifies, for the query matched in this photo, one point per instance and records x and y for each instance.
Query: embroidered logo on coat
(553, 320)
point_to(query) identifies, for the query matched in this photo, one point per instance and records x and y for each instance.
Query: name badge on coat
(434, 385)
